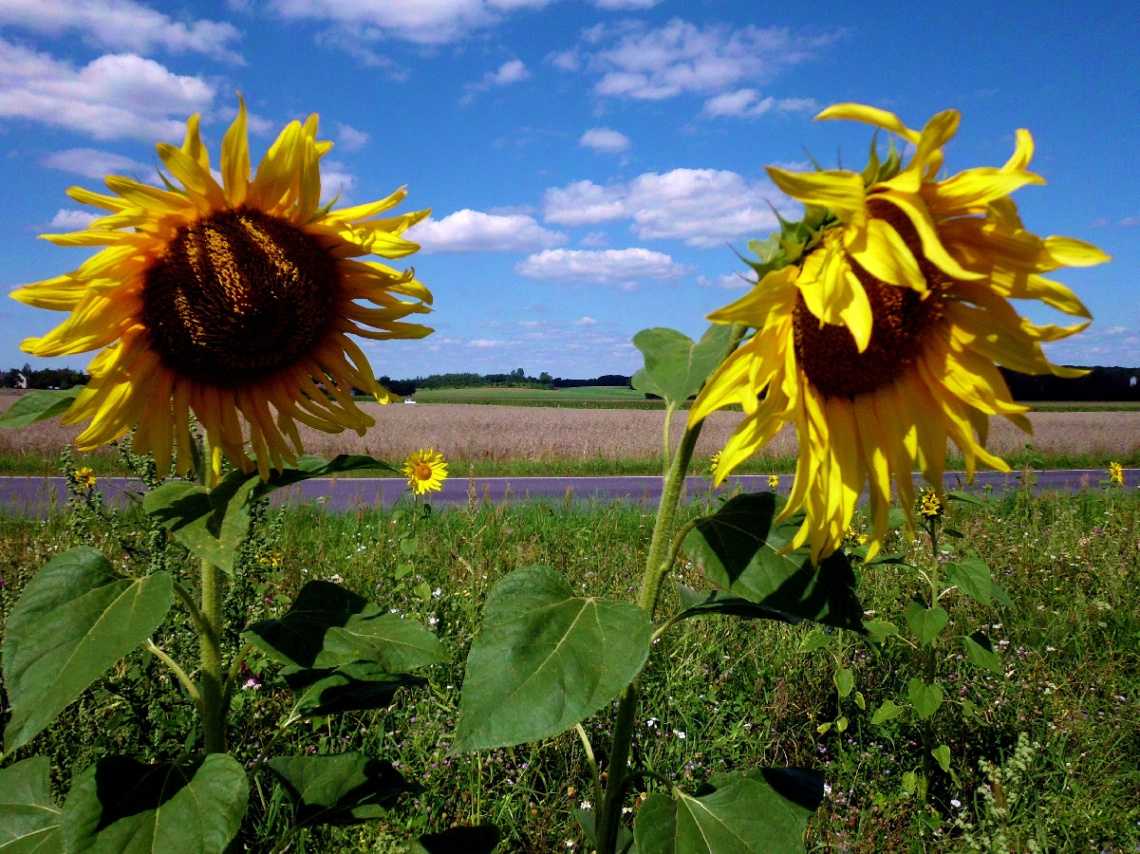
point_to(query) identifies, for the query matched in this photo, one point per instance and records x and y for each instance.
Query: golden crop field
(474, 433)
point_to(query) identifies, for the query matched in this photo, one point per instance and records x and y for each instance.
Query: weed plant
(1050, 760)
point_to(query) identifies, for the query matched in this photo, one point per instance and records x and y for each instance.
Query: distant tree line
(517, 378)
(1101, 384)
(46, 378)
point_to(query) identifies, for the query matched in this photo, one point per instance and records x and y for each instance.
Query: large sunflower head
(880, 320)
(232, 300)
(425, 470)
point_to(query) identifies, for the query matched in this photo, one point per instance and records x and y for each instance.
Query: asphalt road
(35, 495)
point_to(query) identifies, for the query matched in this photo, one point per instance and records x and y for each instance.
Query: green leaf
(718, 602)
(545, 659)
(408, 545)
(860, 701)
(981, 652)
(972, 576)
(942, 754)
(739, 549)
(910, 782)
(75, 619)
(814, 640)
(347, 788)
(212, 523)
(587, 820)
(925, 623)
(358, 686)
(887, 712)
(896, 518)
(328, 626)
(479, 839)
(925, 698)
(29, 819)
(757, 812)
(39, 406)
(879, 630)
(965, 497)
(675, 366)
(844, 681)
(120, 806)
(1000, 596)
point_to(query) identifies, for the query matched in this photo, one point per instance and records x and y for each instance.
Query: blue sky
(590, 164)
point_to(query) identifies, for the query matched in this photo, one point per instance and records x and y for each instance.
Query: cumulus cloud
(585, 321)
(625, 5)
(604, 267)
(93, 163)
(729, 281)
(595, 240)
(356, 41)
(604, 140)
(116, 96)
(349, 138)
(635, 61)
(122, 25)
(72, 220)
(1130, 220)
(475, 231)
(748, 103)
(427, 22)
(507, 73)
(336, 182)
(703, 207)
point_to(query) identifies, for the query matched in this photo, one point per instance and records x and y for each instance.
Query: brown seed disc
(902, 321)
(237, 296)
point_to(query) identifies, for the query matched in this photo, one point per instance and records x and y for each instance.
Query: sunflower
(234, 301)
(1116, 474)
(425, 470)
(880, 320)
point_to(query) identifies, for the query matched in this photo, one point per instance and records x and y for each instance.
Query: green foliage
(675, 366)
(120, 806)
(75, 619)
(765, 812)
(348, 788)
(926, 623)
(38, 406)
(545, 659)
(29, 818)
(740, 548)
(713, 602)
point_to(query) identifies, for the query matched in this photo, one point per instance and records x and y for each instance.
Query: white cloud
(585, 321)
(595, 240)
(350, 138)
(625, 5)
(123, 25)
(336, 181)
(748, 103)
(729, 281)
(703, 207)
(680, 57)
(428, 22)
(484, 342)
(113, 97)
(606, 267)
(567, 60)
(92, 163)
(1130, 220)
(73, 220)
(355, 40)
(507, 73)
(604, 139)
(475, 231)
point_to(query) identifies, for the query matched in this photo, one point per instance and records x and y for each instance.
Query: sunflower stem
(931, 663)
(213, 700)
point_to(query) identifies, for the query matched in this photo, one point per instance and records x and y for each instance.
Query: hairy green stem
(667, 439)
(593, 762)
(180, 674)
(931, 663)
(213, 707)
(231, 679)
(608, 820)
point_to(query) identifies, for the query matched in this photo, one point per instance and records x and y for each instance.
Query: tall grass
(724, 693)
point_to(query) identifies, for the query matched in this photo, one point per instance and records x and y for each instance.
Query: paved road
(34, 495)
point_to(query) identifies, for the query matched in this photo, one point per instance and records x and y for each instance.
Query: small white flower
(336, 579)
(954, 802)
(679, 733)
(585, 805)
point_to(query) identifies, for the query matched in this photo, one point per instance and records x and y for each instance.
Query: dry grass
(473, 433)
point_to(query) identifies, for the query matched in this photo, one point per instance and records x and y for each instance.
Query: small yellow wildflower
(930, 505)
(270, 559)
(425, 471)
(85, 478)
(773, 482)
(714, 462)
(1116, 474)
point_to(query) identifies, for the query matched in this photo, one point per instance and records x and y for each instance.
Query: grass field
(723, 694)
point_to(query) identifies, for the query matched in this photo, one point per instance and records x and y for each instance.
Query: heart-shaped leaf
(925, 698)
(327, 626)
(926, 623)
(75, 619)
(358, 686)
(981, 652)
(545, 659)
(887, 712)
(29, 819)
(347, 788)
(675, 366)
(479, 839)
(120, 806)
(739, 548)
(764, 812)
(39, 405)
(972, 576)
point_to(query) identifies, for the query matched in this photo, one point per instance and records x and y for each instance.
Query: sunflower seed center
(902, 322)
(237, 296)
